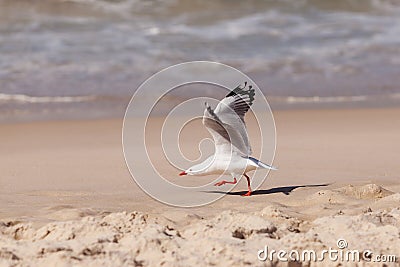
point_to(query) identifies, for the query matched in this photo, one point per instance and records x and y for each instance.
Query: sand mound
(378, 231)
(118, 239)
(238, 225)
(348, 193)
(369, 191)
(130, 239)
(327, 196)
(231, 238)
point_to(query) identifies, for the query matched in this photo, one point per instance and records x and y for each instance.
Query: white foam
(333, 99)
(44, 99)
(328, 99)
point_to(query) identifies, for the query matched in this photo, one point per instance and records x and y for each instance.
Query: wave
(327, 99)
(44, 99)
(126, 7)
(333, 99)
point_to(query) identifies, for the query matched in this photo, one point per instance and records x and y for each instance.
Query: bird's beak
(182, 173)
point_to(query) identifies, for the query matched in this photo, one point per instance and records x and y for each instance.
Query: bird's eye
(190, 170)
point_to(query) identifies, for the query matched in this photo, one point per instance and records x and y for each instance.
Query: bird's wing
(218, 131)
(226, 122)
(239, 100)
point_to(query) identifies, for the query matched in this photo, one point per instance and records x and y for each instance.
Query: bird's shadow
(284, 189)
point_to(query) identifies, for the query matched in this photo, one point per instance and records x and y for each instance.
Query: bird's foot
(247, 194)
(220, 183)
(225, 182)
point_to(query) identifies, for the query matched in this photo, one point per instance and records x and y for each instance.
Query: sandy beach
(71, 69)
(67, 198)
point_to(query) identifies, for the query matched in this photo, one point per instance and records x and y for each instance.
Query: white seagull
(232, 148)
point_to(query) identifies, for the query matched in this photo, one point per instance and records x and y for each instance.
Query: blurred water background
(73, 59)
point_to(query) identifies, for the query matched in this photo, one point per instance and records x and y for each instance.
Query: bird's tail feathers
(262, 164)
(266, 166)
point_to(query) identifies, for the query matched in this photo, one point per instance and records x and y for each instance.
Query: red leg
(248, 185)
(226, 182)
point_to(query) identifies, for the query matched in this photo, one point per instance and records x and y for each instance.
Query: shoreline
(118, 111)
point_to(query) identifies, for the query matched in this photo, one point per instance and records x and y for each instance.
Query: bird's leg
(248, 185)
(226, 182)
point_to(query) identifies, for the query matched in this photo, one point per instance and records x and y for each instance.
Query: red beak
(182, 173)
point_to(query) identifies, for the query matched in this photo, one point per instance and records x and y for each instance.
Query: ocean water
(71, 59)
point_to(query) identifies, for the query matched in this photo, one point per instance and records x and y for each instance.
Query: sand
(66, 197)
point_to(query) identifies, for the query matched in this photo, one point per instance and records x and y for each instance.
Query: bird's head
(199, 169)
(190, 171)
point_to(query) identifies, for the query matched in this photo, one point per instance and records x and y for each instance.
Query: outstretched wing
(240, 100)
(226, 122)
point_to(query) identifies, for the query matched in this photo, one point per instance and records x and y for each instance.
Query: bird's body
(222, 165)
(232, 148)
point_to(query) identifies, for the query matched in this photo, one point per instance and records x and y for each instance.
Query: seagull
(232, 147)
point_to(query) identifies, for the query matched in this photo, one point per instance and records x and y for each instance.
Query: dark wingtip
(239, 88)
